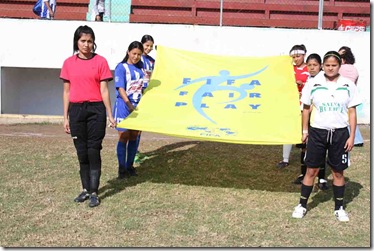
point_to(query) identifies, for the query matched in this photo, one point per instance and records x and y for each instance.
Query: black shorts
(332, 141)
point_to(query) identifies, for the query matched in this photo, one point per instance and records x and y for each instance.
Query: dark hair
(314, 56)
(334, 54)
(347, 55)
(78, 34)
(147, 38)
(134, 45)
(298, 47)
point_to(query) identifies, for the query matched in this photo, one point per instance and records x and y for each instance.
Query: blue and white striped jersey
(45, 13)
(130, 78)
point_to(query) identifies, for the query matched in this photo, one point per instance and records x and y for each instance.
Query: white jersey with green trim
(330, 101)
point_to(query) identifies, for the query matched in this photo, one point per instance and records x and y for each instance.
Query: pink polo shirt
(85, 76)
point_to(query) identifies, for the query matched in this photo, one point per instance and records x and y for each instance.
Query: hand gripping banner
(243, 100)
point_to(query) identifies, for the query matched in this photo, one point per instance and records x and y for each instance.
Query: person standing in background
(148, 66)
(314, 64)
(148, 61)
(349, 71)
(86, 103)
(99, 10)
(48, 9)
(297, 53)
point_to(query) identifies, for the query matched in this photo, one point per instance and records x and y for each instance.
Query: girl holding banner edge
(148, 66)
(297, 53)
(129, 84)
(334, 98)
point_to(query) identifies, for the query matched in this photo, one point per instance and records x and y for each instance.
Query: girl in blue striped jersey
(128, 76)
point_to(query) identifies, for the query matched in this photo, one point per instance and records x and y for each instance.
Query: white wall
(32, 51)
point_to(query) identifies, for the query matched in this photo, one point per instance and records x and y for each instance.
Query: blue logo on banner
(212, 132)
(222, 82)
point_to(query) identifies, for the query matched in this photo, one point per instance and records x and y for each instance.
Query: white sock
(286, 152)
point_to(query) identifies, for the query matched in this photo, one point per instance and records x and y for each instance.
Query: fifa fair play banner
(244, 100)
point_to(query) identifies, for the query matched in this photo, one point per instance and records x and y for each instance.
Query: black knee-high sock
(305, 193)
(85, 178)
(338, 195)
(95, 169)
(303, 166)
(303, 169)
(94, 181)
(302, 156)
(322, 171)
(84, 171)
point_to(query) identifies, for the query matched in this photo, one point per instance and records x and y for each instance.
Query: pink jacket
(349, 71)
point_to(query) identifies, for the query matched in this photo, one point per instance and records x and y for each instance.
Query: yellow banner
(244, 100)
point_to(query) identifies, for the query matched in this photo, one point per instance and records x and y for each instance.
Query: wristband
(305, 131)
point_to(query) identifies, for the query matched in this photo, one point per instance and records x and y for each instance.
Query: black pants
(87, 125)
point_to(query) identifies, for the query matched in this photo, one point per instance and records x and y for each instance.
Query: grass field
(188, 194)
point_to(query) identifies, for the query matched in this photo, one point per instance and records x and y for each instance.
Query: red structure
(255, 13)
(66, 9)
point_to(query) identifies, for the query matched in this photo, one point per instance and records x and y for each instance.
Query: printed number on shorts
(344, 158)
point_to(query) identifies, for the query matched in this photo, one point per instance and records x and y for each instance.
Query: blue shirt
(130, 78)
(148, 62)
(148, 66)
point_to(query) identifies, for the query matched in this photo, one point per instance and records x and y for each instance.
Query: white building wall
(32, 52)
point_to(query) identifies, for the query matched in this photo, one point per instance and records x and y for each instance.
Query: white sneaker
(299, 212)
(341, 215)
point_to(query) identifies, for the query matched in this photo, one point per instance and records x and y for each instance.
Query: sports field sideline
(188, 194)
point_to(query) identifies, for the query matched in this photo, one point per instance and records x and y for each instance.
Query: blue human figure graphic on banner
(214, 83)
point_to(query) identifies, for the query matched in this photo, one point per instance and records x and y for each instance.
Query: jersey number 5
(345, 158)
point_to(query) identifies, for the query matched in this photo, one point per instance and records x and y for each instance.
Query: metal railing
(304, 14)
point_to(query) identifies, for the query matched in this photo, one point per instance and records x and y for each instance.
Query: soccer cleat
(121, 175)
(341, 215)
(94, 200)
(140, 155)
(132, 171)
(322, 184)
(299, 180)
(137, 160)
(299, 212)
(282, 164)
(82, 196)
(140, 158)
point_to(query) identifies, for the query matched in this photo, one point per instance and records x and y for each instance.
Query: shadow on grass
(352, 190)
(214, 164)
(112, 187)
